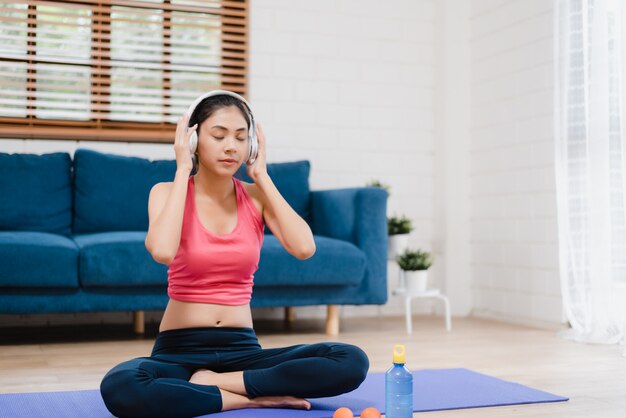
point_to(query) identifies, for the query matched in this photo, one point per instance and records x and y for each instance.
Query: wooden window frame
(234, 19)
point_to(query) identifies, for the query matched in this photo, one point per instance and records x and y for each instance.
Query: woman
(208, 228)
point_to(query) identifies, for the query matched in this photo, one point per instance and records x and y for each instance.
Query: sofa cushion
(111, 191)
(37, 259)
(335, 262)
(292, 181)
(117, 259)
(36, 192)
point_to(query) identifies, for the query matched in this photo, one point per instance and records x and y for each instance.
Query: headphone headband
(254, 146)
(211, 93)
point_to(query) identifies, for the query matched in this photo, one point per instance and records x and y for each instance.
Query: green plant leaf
(399, 225)
(412, 260)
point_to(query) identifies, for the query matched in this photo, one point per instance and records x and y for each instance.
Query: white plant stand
(409, 296)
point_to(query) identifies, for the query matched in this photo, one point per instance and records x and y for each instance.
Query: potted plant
(398, 229)
(415, 264)
(376, 183)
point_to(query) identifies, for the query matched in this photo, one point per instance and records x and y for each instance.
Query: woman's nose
(231, 144)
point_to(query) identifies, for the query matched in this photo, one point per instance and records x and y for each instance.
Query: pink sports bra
(211, 268)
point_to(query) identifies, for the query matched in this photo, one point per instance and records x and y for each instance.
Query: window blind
(115, 70)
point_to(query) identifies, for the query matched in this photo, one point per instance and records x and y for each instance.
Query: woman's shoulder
(157, 198)
(159, 192)
(251, 188)
(162, 187)
(254, 193)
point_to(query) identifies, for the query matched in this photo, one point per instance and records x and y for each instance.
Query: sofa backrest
(111, 191)
(292, 181)
(36, 192)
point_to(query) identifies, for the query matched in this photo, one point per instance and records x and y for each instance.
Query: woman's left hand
(259, 167)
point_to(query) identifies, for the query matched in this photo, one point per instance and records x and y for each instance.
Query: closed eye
(221, 137)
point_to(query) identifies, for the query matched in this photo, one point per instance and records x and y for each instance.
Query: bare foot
(204, 377)
(208, 377)
(281, 402)
(234, 401)
(230, 381)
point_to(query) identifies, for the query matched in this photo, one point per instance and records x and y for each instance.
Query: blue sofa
(72, 237)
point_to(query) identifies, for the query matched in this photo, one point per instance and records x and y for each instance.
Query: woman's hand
(181, 143)
(259, 167)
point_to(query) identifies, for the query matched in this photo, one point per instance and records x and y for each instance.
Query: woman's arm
(166, 207)
(166, 204)
(289, 228)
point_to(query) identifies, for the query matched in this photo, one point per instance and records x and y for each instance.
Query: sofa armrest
(357, 215)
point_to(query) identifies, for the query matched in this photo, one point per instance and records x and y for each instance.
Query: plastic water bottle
(398, 387)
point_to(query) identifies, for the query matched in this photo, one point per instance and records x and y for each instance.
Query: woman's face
(223, 136)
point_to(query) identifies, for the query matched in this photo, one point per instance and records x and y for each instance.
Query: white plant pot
(416, 281)
(396, 245)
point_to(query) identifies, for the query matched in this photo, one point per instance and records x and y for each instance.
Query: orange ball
(343, 412)
(370, 412)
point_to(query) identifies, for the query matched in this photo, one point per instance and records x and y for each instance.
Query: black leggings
(158, 386)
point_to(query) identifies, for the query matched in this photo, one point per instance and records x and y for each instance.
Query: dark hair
(210, 105)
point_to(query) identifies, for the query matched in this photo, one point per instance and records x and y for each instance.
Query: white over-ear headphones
(254, 144)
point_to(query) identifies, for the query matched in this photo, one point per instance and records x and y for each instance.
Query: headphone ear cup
(254, 148)
(193, 142)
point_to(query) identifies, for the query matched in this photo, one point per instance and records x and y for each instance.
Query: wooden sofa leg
(138, 322)
(290, 314)
(332, 320)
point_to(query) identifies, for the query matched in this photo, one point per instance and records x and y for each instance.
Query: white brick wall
(514, 252)
(347, 84)
(355, 84)
(351, 85)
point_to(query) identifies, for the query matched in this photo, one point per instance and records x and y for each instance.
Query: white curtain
(590, 122)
